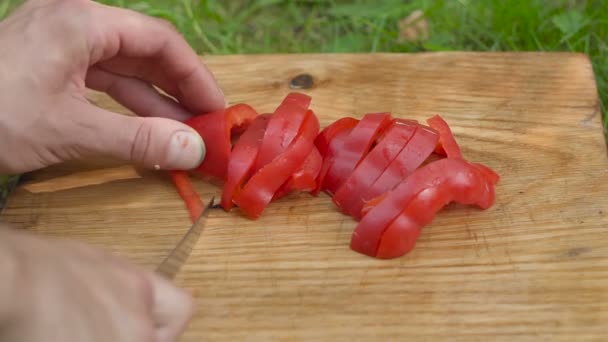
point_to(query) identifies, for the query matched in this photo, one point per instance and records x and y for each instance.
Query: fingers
(158, 143)
(138, 96)
(153, 50)
(173, 309)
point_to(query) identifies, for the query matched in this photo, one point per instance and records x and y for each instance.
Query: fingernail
(186, 150)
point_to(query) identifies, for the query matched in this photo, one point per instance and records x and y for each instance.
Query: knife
(180, 254)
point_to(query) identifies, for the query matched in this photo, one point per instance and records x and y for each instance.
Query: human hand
(52, 50)
(62, 290)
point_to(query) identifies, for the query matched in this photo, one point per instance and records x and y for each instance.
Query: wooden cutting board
(534, 266)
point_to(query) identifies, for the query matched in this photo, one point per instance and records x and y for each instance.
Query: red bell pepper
(329, 142)
(466, 185)
(354, 149)
(283, 127)
(324, 138)
(216, 129)
(305, 179)
(242, 158)
(262, 186)
(373, 165)
(447, 145)
(186, 190)
(415, 152)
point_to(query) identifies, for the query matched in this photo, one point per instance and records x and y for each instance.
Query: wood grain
(533, 267)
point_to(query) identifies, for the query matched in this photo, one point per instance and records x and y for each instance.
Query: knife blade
(172, 264)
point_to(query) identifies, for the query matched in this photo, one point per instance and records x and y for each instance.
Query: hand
(61, 290)
(52, 50)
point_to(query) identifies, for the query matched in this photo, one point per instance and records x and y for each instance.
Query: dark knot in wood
(302, 81)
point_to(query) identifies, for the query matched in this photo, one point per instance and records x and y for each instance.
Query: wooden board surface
(535, 266)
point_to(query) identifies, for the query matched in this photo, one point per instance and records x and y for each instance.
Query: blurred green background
(282, 26)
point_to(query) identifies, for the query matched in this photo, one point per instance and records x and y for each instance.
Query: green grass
(275, 26)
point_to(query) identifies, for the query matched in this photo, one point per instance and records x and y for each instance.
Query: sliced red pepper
(415, 152)
(329, 142)
(354, 149)
(447, 144)
(242, 158)
(261, 187)
(186, 190)
(373, 165)
(466, 183)
(324, 138)
(216, 129)
(283, 127)
(492, 176)
(401, 235)
(305, 179)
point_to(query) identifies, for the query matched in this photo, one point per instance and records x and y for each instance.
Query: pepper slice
(466, 184)
(354, 149)
(242, 158)
(329, 142)
(216, 129)
(305, 179)
(447, 145)
(323, 140)
(373, 165)
(261, 187)
(283, 127)
(415, 152)
(186, 191)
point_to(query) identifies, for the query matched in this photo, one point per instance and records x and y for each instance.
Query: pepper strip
(466, 183)
(447, 144)
(355, 148)
(261, 187)
(283, 127)
(216, 128)
(329, 142)
(415, 152)
(186, 190)
(373, 165)
(242, 158)
(305, 179)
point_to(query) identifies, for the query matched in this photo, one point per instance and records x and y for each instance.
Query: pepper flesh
(242, 159)
(186, 191)
(415, 152)
(372, 166)
(262, 186)
(447, 144)
(217, 128)
(305, 178)
(466, 183)
(329, 142)
(355, 147)
(282, 127)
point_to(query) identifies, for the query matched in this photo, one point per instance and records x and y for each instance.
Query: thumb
(153, 142)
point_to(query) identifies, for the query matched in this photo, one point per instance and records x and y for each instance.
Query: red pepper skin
(324, 138)
(402, 234)
(216, 129)
(283, 127)
(447, 144)
(372, 166)
(262, 186)
(305, 179)
(242, 159)
(466, 185)
(186, 190)
(415, 152)
(354, 149)
(490, 174)
(329, 142)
